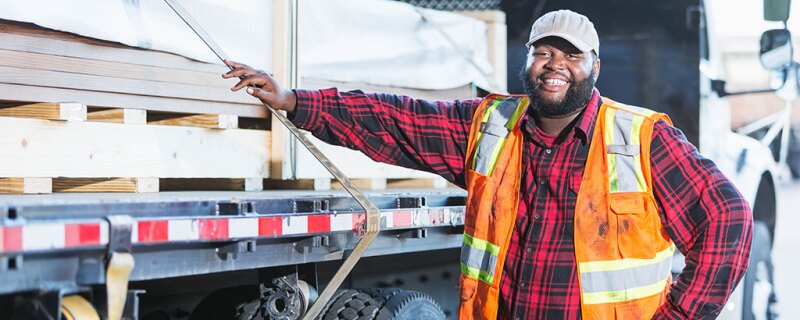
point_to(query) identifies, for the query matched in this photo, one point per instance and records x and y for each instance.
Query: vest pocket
(636, 229)
(468, 288)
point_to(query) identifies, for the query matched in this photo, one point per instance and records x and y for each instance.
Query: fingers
(263, 95)
(234, 64)
(258, 80)
(240, 72)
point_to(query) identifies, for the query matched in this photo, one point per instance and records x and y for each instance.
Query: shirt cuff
(306, 113)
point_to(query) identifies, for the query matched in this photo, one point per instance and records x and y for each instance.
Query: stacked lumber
(69, 147)
(85, 115)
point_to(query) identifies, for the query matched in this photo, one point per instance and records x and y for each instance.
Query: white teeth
(556, 82)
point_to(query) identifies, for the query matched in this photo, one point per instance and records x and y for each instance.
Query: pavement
(786, 251)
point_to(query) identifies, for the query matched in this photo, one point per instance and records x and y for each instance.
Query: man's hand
(262, 86)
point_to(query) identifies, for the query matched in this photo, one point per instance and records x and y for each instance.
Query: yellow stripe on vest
(613, 178)
(479, 258)
(636, 129)
(612, 265)
(624, 295)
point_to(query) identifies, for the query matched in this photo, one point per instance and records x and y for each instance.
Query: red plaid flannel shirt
(702, 211)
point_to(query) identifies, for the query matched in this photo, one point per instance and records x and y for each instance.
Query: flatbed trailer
(58, 245)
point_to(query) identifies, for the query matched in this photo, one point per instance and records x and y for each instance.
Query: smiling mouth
(555, 82)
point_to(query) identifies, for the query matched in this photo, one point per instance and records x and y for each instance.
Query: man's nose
(556, 62)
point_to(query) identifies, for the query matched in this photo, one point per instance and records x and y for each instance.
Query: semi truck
(268, 254)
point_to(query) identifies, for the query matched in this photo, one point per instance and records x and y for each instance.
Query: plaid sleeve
(709, 221)
(399, 130)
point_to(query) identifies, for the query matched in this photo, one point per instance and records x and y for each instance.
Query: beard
(577, 97)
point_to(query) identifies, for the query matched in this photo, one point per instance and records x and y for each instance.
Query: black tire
(411, 305)
(381, 304)
(759, 281)
(793, 155)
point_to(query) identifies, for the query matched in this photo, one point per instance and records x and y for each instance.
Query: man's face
(558, 77)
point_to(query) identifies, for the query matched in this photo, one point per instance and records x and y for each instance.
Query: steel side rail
(373, 213)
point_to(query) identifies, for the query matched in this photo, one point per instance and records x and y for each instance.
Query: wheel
(759, 289)
(381, 304)
(409, 305)
(793, 155)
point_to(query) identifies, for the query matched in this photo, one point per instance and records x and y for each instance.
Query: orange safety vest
(623, 253)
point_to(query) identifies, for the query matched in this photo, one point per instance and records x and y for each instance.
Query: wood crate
(69, 147)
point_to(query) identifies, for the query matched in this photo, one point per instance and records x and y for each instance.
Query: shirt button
(548, 151)
(541, 181)
(529, 249)
(522, 285)
(537, 217)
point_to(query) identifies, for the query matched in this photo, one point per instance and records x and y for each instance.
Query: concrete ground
(786, 251)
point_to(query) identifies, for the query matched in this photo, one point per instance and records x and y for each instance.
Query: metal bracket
(310, 206)
(120, 228)
(411, 202)
(234, 208)
(313, 242)
(420, 233)
(233, 249)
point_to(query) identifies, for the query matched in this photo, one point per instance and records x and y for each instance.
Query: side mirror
(776, 10)
(776, 49)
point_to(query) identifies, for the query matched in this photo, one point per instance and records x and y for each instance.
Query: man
(576, 203)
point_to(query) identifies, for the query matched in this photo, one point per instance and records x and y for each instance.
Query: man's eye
(541, 54)
(574, 56)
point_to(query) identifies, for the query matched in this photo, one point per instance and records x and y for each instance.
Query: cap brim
(582, 46)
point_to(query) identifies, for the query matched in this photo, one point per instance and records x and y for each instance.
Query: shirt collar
(585, 121)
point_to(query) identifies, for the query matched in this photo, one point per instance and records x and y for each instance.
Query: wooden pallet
(69, 147)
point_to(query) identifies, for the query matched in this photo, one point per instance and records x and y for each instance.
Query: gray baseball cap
(568, 25)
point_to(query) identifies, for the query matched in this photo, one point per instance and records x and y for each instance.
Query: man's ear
(596, 68)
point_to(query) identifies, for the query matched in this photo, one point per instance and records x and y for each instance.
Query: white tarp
(377, 42)
(388, 43)
(243, 28)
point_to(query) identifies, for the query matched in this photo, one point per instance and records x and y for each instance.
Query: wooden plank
(105, 185)
(285, 70)
(39, 61)
(116, 115)
(47, 111)
(116, 100)
(13, 75)
(30, 38)
(364, 184)
(39, 148)
(303, 184)
(211, 121)
(25, 185)
(211, 184)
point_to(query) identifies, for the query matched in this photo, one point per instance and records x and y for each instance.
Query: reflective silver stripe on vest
(481, 261)
(624, 150)
(493, 134)
(617, 280)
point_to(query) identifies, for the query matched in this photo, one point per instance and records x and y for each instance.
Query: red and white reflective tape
(176, 230)
(48, 236)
